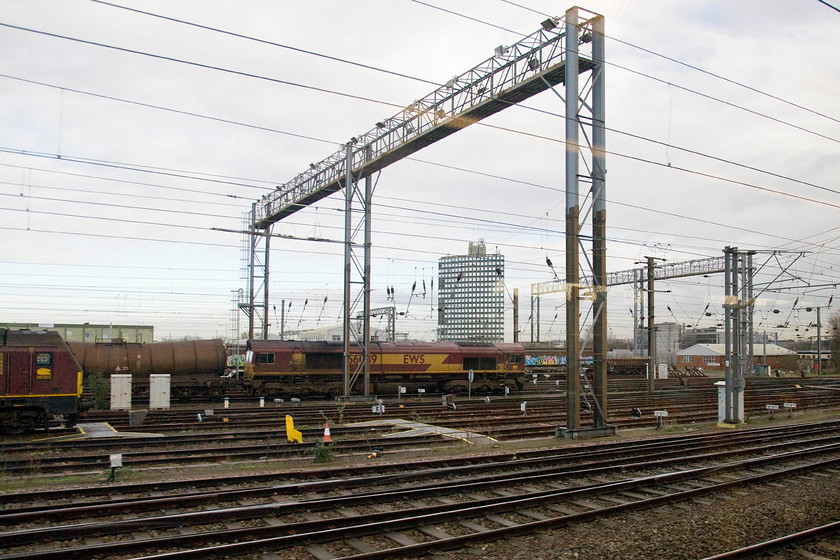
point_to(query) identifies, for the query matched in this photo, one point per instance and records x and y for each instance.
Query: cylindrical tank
(188, 357)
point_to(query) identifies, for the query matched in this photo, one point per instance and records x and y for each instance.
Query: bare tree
(834, 326)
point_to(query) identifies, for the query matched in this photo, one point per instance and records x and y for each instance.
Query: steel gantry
(637, 278)
(556, 53)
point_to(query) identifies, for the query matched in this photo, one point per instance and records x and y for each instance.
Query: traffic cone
(327, 438)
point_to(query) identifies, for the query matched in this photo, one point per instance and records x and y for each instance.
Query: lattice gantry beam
(513, 74)
(695, 267)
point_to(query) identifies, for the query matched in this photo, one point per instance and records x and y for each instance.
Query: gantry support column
(366, 281)
(516, 315)
(727, 335)
(266, 318)
(257, 278)
(356, 358)
(572, 226)
(599, 224)
(651, 328)
(348, 263)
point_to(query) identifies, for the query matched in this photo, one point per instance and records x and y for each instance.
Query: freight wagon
(196, 367)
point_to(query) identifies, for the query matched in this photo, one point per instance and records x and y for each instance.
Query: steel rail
(61, 464)
(779, 543)
(533, 426)
(331, 530)
(454, 465)
(76, 531)
(654, 456)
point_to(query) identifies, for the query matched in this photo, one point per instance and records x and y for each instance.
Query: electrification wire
(106, 219)
(728, 103)
(214, 29)
(184, 22)
(201, 228)
(191, 63)
(122, 166)
(777, 98)
(128, 195)
(611, 202)
(414, 252)
(557, 115)
(266, 42)
(677, 168)
(125, 181)
(125, 206)
(396, 105)
(464, 16)
(829, 5)
(643, 160)
(114, 266)
(526, 8)
(167, 109)
(725, 79)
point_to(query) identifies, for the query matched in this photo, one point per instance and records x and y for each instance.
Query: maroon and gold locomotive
(290, 368)
(39, 378)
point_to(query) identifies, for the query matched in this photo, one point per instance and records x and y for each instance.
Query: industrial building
(471, 296)
(87, 332)
(713, 356)
(668, 338)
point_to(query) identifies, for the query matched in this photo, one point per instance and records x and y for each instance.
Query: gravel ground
(690, 530)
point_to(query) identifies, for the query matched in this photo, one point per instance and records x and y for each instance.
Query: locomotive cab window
(43, 359)
(267, 358)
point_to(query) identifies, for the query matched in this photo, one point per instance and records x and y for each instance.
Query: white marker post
(116, 462)
(660, 418)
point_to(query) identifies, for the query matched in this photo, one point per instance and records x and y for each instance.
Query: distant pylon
(327, 438)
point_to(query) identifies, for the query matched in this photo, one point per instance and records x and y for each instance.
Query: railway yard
(480, 479)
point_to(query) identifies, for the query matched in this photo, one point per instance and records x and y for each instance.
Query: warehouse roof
(720, 350)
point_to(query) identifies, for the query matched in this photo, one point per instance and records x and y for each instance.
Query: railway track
(245, 438)
(412, 509)
(814, 543)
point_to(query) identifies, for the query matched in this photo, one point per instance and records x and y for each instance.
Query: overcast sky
(125, 138)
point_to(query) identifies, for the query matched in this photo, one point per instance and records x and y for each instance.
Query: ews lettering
(414, 359)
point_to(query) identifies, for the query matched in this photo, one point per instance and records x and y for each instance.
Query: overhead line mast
(515, 73)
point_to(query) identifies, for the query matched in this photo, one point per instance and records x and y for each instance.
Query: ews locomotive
(294, 368)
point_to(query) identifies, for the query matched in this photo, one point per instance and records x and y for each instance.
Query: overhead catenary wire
(172, 59)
